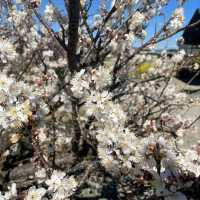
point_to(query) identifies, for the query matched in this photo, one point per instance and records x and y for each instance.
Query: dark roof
(192, 35)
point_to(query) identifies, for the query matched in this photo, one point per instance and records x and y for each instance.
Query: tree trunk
(73, 8)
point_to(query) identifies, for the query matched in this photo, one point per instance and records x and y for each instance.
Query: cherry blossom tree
(81, 101)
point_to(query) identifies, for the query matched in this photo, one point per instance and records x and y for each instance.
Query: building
(191, 36)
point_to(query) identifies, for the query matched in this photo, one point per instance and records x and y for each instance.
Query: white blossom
(178, 19)
(102, 77)
(35, 193)
(63, 187)
(49, 12)
(79, 84)
(137, 19)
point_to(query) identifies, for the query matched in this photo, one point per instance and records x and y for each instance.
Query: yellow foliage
(141, 69)
(144, 67)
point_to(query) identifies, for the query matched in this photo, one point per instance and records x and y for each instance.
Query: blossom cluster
(178, 19)
(17, 102)
(59, 186)
(159, 146)
(115, 103)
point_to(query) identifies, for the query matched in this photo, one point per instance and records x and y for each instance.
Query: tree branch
(73, 8)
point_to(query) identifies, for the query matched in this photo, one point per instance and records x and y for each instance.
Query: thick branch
(73, 8)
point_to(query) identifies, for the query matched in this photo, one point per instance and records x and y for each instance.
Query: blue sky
(190, 7)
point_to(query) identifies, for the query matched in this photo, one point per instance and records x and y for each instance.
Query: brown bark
(73, 8)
